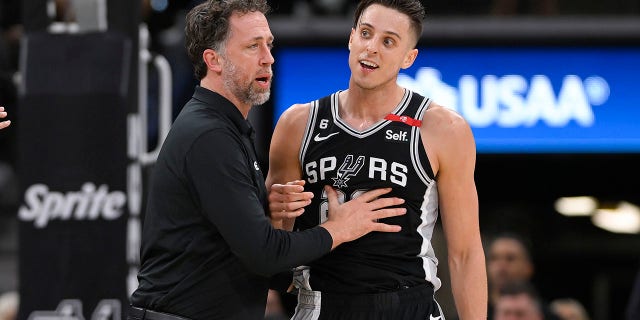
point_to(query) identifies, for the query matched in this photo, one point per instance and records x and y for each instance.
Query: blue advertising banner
(517, 100)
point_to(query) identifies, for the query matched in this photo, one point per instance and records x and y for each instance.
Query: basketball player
(378, 134)
(3, 114)
(207, 247)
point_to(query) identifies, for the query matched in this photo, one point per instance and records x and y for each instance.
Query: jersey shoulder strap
(318, 109)
(416, 106)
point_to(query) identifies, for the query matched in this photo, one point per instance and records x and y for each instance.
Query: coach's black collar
(219, 103)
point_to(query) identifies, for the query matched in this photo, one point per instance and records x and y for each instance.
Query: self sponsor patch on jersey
(397, 135)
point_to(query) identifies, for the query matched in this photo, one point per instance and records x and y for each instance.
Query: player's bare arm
(284, 166)
(451, 150)
(3, 114)
(287, 201)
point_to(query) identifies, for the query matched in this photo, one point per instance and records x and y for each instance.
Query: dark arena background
(550, 89)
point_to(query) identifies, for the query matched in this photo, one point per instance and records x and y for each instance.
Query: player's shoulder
(297, 109)
(445, 128)
(438, 117)
(295, 114)
(449, 136)
(299, 112)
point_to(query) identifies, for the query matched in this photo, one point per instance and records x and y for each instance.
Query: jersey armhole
(308, 131)
(424, 170)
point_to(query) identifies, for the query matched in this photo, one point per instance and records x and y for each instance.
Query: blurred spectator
(518, 301)
(568, 309)
(509, 261)
(9, 306)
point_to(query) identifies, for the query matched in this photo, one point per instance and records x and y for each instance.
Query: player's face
(516, 307)
(381, 44)
(246, 64)
(507, 262)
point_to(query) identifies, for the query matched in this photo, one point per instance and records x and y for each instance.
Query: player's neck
(369, 104)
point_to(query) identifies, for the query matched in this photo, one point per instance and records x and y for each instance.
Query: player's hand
(357, 217)
(3, 114)
(286, 202)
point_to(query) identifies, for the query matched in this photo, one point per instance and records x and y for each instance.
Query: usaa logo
(514, 100)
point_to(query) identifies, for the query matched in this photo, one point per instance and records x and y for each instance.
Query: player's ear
(212, 59)
(409, 58)
(351, 37)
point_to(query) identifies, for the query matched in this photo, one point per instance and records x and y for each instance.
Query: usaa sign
(516, 100)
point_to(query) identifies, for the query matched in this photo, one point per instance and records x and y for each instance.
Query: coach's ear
(213, 60)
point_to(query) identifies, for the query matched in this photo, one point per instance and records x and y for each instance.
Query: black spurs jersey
(388, 154)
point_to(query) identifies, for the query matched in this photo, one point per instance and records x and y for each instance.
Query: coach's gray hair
(207, 27)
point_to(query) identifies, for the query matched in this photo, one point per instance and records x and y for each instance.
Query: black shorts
(416, 303)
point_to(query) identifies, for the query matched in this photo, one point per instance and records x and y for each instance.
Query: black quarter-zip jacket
(208, 247)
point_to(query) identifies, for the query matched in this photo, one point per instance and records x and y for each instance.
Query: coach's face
(246, 62)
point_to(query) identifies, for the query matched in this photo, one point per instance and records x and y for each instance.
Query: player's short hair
(411, 8)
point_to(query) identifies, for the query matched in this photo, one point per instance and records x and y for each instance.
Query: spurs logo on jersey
(347, 170)
(378, 169)
(389, 154)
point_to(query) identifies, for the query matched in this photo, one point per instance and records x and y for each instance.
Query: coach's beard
(258, 95)
(249, 94)
(257, 98)
(246, 91)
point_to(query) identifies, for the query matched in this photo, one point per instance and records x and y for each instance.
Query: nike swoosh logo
(436, 318)
(318, 138)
